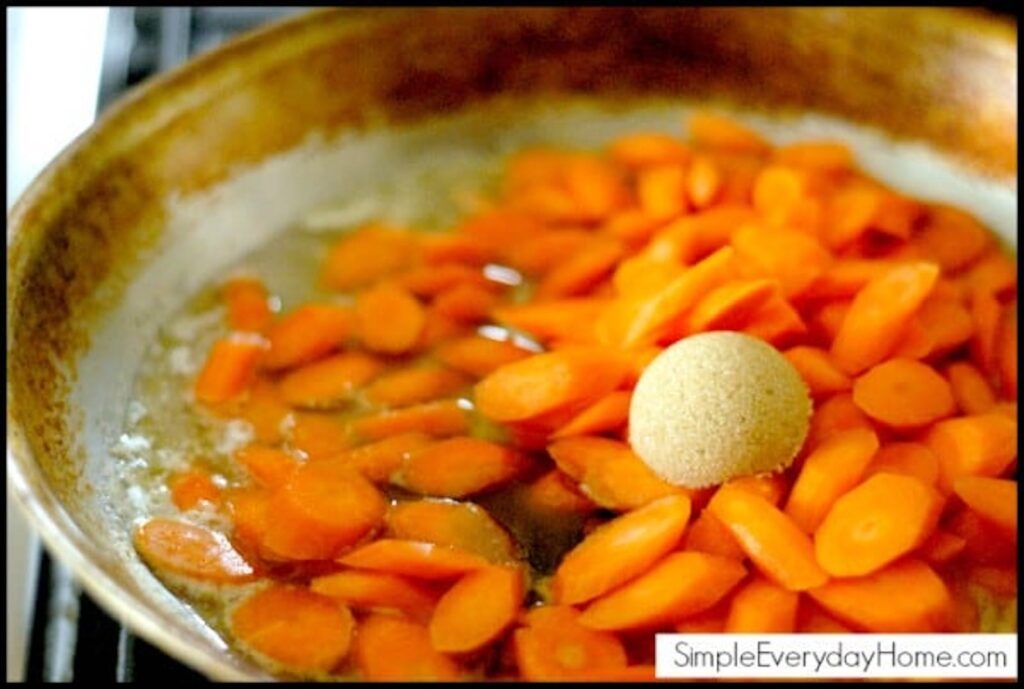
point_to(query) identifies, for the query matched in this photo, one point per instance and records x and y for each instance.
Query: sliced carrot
(661, 191)
(641, 276)
(709, 535)
(994, 273)
(319, 436)
(329, 381)
(427, 281)
(778, 188)
(570, 319)
(776, 322)
(877, 522)
(308, 333)
(703, 182)
(415, 559)
(976, 445)
(377, 461)
(449, 248)
(907, 596)
(906, 459)
(620, 550)
(852, 210)
(192, 486)
(1006, 351)
(632, 226)
(647, 149)
(681, 584)
(247, 508)
(477, 609)
(609, 413)
(874, 323)
(941, 547)
(609, 472)
(478, 356)
(834, 467)
(556, 493)
(368, 254)
(539, 254)
(269, 466)
(971, 390)
(502, 226)
(836, 414)
(303, 631)
(265, 411)
(439, 419)
(595, 185)
(246, 300)
(462, 525)
(993, 499)
(717, 131)
(903, 393)
(816, 368)
(546, 382)
(729, 307)
(845, 277)
(691, 237)
(176, 547)
(408, 386)
(948, 324)
(321, 509)
(769, 537)
(762, 607)
(676, 299)
(897, 216)
(376, 590)
(811, 619)
(986, 311)
(466, 303)
(389, 319)
(951, 238)
(771, 487)
(825, 156)
(229, 369)
(580, 272)
(458, 467)
(390, 649)
(554, 646)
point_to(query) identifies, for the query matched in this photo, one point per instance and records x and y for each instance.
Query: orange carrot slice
(847, 276)
(302, 630)
(834, 467)
(716, 131)
(682, 584)
(709, 535)
(769, 537)
(661, 191)
(815, 366)
(556, 493)
(711, 621)
(951, 238)
(390, 649)
(477, 609)
(568, 319)
(326, 382)
(581, 271)
(609, 472)
(269, 466)
(993, 499)
(971, 390)
(646, 149)
(836, 414)
(620, 550)
(248, 309)
(368, 254)
(904, 393)
(389, 319)
(703, 182)
(448, 248)
(190, 487)
(264, 409)
(907, 596)
(228, 370)
(554, 646)
(731, 306)
(379, 460)
(794, 258)
(320, 510)
(428, 281)
(458, 467)
(853, 209)
(771, 487)
(408, 386)
(462, 525)
(877, 522)
(547, 382)
(196, 552)
(308, 333)
(376, 590)
(906, 459)
(477, 355)
(761, 607)
(977, 445)
(318, 436)
(606, 414)
(413, 559)
(874, 323)
(439, 419)
(994, 273)
(776, 322)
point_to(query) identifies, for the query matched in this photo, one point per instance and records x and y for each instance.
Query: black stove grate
(71, 637)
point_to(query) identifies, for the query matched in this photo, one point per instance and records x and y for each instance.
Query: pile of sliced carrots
(497, 359)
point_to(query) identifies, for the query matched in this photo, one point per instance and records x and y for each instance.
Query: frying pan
(201, 165)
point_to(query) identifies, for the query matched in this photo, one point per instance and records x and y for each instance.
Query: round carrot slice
(176, 547)
(477, 609)
(904, 393)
